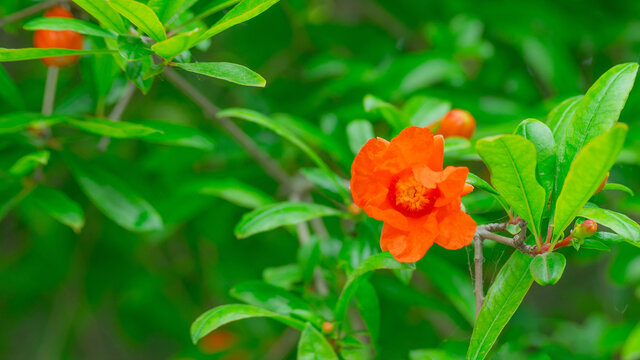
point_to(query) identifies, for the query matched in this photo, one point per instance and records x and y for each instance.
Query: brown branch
(478, 259)
(116, 113)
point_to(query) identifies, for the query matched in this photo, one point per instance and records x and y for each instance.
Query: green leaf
(114, 129)
(594, 245)
(225, 71)
(620, 187)
(132, 48)
(221, 315)
(547, 268)
(388, 112)
(376, 262)
(19, 121)
(10, 196)
(273, 216)
(631, 347)
(431, 354)
(502, 300)
(512, 162)
(141, 16)
(58, 205)
(101, 10)
(322, 181)
(585, 175)
(267, 122)
(165, 9)
(358, 133)
(369, 307)
(561, 116)
(114, 197)
(272, 298)
(9, 91)
(597, 112)
(422, 110)
(283, 276)
(542, 138)
(177, 44)
(479, 183)
(7, 55)
(453, 283)
(79, 26)
(231, 190)
(172, 134)
(314, 346)
(244, 11)
(621, 224)
(28, 163)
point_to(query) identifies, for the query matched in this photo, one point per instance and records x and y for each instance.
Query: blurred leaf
(272, 298)
(16, 122)
(114, 129)
(560, 117)
(283, 276)
(542, 138)
(225, 71)
(323, 182)
(313, 346)
(231, 190)
(585, 175)
(389, 113)
(141, 16)
(422, 111)
(244, 11)
(225, 314)
(358, 133)
(165, 9)
(431, 354)
(114, 197)
(9, 91)
(621, 224)
(172, 134)
(512, 162)
(631, 347)
(37, 53)
(369, 307)
(101, 10)
(376, 262)
(547, 268)
(28, 163)
(620, 187)
(273, 216)
(309, 258)
(59, 206)
(10, 196)
(502, 300)
(57, 23)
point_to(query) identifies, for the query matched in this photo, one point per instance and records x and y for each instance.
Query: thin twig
(116, 113)
(478, 259)
(29, 11)
(50, 90)
(210, 110)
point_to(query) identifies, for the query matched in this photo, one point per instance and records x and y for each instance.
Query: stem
(50, 90)
(270, 166)
(116, 113)
(478, 259)
(29, 11)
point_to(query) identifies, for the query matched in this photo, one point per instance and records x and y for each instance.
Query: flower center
(410, 197)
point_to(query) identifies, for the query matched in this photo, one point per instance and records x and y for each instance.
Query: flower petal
(437, 155)
(407, 246)
(452, 184)
(413, 146)
(369, 186)
(456, 227)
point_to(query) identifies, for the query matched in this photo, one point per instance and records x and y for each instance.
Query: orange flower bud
(217, 341)
(354, 209)
(58, 39)
(604, 182)
(458, 123)
(585, 229)
(327, 327)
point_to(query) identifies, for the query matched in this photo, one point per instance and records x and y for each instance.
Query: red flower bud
(585, 229)
(62, 39)
(457, 123)
(327, 327)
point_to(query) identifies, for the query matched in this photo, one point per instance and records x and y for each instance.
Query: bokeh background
(110, 294)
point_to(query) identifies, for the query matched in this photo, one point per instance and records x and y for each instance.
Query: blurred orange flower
(403, 184)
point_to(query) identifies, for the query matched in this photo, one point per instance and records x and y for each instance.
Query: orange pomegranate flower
(403, 184)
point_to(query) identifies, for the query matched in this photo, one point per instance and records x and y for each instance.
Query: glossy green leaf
(314, 346)
(231, 190)
(59, 206)
(244, 11)
(453, 283)
(221, 315)
(9, 92)
(172, 134)
(561, 116)
(175, 45)
(621, 224)
(369, 307)
(597, 112)
(114, 129)
(132, 48)
(28, 163)
(101, 10)
(502, 300)
(116, 199)
(272, 298)
(585, 175)
(7, 55)
(273, 216)
(225, 71)
(79, 26)
(141, 16)
(376, 262)
(631, 347)
(547, 268)
(165, 9)
(512, 162)
(479, 183)
(619, 187)
(389, 113)
(358, 133)
(542, 138)
(594, 245)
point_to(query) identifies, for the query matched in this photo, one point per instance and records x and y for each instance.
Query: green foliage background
(108, 293)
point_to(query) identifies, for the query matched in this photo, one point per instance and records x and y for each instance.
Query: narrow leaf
(358, 133)
(167, 133)
(314, 346)
(175, 45)
(28, 163)
(619, 187)
(231, 190)
(165, 9)
(79, 26)
(7, 55)
(621, 224)
(270, 297)
(244, 11)
(58, 205)
(225, 71)
(114, 129)
(141, 16)
(369, 307)
(101, 10)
